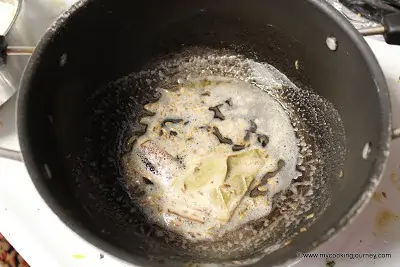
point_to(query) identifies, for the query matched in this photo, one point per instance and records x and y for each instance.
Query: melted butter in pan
(210, 142)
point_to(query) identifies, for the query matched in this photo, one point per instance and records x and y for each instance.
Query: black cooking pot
(74, 116)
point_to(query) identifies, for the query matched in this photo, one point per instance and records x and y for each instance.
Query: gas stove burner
(372, 9)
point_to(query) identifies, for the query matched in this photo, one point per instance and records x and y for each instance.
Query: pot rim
(339, 224)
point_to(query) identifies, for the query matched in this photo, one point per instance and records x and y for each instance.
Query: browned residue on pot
(384, 218)
(377, 197)
(287, 243)
(395, 180)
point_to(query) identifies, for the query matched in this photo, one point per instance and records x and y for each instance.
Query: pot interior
(76, 112)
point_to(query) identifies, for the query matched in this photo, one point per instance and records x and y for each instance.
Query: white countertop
(43, 240)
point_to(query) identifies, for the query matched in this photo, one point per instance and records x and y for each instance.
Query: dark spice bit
(130, 142)
(173, 133)
(237, 147)
(186, 123)
(137, 132)
(205, 82)
(206, 94)
(192, 234)
(330, 263)
(255, 192)
(142, 128)
(170, 121)
(384, 195)
(229, 102)
(140, 194)
(205, 128)
(217, 113)
(150, 167)
(101, 256)
(252, 129)
(263, 139)
(300, 168)
(180, 160)
(148, 113)
(221, 139)
(147, 181)
(247, 136)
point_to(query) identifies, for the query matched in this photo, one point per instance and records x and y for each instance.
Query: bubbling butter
(210, 142)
